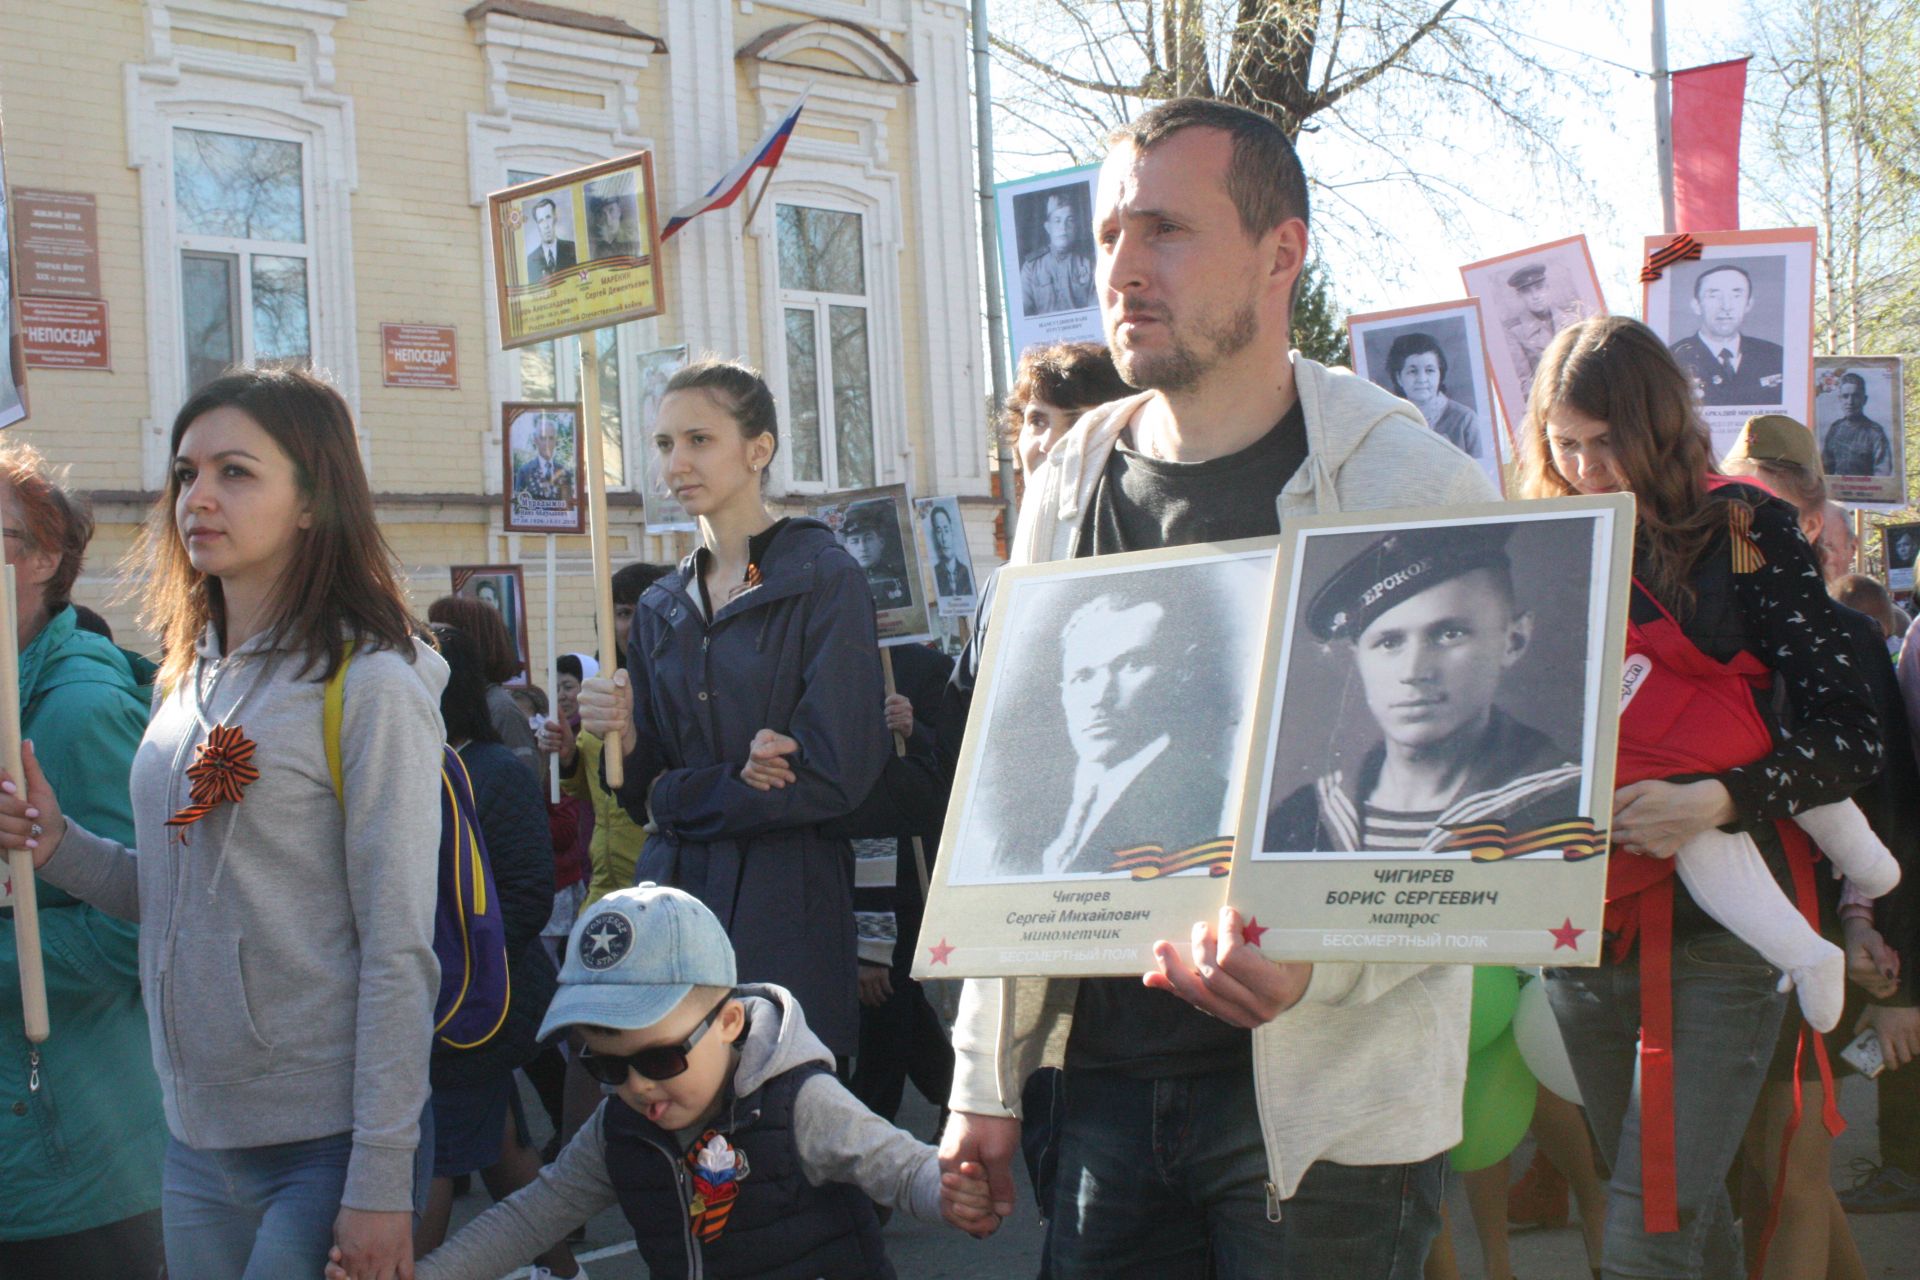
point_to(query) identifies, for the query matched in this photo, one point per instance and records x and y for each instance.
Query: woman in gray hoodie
(286, 953)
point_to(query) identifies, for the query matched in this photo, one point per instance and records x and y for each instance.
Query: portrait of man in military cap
(1418, 696)
(1528, 296)
(875, 527)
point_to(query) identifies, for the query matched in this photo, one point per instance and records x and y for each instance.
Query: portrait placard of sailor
(1431, 771)
(1107, 728)
(1736, 310)
(1046, 258)
(1526, 297)
(1438, 677)
(1858, 421)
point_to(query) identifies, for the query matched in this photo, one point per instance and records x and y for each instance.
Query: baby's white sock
(1729, 879)
(1843, 834)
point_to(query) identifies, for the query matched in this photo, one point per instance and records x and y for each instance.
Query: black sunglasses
(662, 1062)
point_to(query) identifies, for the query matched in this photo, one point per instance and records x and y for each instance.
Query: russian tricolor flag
(728, 189)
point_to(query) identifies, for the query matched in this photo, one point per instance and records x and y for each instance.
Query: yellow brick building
(281, 178)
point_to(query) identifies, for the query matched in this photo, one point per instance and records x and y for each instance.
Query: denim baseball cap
(633, 956)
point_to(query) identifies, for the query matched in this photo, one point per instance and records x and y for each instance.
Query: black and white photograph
(949, 560)
(1054, 232)
(1047, 258)
(1526, 297)
(1110, 725)
(1739, 320)
(13, 373)
(502, 587)
(1433, 357)
(613, 218)
(548, 242)
(655, 369)
(1438, 710)
(543, 467)
(1899, 547)
(876, 528)
(1859, 423)
(1437, 677)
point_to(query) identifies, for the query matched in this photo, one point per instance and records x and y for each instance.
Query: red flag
(1706, 146)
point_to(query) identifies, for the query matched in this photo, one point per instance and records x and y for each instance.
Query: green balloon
(1496, 991)
(1497, 1105)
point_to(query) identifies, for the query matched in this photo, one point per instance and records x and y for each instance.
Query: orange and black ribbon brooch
(221, 772)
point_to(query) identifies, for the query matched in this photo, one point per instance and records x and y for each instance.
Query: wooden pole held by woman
(615, 757)
(26, 898)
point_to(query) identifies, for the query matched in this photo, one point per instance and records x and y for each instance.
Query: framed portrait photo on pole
(1859, 422)
(1736, 310)
(1899, 548)
(543, 468)
(1526, 297)
(1434, 356)
(503, 588)
(1409, 808)
(1094, 799)
(576, 251)
(876, 528)
(1046, 258)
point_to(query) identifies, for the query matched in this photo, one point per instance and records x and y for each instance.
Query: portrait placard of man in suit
(550, 253)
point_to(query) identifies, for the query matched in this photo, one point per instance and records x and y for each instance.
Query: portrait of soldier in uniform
(1533, 316)
(870, 532)
(1056, 273)
(1854, 444)
(1728, 366)
(613, 225)
(543, 477)
(1430, 624)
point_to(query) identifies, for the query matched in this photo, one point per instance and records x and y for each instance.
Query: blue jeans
(1168, 1178)
(263, 1213)
(1726, 1016)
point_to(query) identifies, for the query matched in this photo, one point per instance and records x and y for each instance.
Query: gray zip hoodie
(286, 949)
(838, 1139)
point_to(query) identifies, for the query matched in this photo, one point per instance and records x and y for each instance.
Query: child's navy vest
(781, 1228)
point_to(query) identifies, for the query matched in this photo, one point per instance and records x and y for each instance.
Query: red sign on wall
(64, 333)
(419, 355)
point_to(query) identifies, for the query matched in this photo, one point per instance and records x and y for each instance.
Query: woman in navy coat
(767, 626)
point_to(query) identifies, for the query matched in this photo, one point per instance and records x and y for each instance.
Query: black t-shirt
(1143, 503)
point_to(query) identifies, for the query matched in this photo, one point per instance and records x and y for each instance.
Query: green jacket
(616, 837)
(84, 1149)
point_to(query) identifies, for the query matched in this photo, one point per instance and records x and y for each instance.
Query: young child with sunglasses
(728, 1144)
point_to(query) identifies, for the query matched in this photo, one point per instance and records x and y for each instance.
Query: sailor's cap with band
(1398, 567)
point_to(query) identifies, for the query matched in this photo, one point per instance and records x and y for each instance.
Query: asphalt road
(926, 1251)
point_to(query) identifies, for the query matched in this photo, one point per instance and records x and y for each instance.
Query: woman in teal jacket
(81, 1133)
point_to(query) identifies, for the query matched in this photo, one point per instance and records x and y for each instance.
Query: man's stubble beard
(1182, 368)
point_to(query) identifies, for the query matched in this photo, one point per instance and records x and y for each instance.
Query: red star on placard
(940, 952)
(1253, 931)
(1566, 936)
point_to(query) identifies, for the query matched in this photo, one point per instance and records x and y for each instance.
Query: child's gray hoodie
(839, 1140)
(286, 949)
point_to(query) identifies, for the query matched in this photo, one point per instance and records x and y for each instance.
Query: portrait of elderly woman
(1417, 372)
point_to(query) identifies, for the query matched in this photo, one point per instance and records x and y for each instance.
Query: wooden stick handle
(616, 753)
(26, 898)
(900, 749)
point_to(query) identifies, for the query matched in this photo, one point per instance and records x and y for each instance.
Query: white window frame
(212, 86)
(539, 135)
(241, 251)
(850, 176)
(820, 303)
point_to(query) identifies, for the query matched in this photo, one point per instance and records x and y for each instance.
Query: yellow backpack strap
(333, 714)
